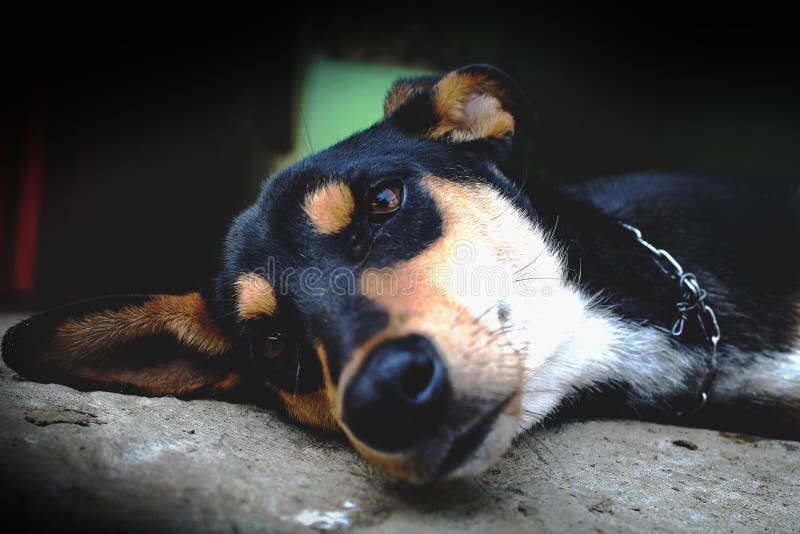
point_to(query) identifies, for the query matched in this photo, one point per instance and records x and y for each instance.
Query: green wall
(339, 98)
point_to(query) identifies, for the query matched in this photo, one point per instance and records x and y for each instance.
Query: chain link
(693, 301)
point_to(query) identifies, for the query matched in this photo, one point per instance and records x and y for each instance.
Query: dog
(404, 288)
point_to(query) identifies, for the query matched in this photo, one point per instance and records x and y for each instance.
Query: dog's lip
(467, 442)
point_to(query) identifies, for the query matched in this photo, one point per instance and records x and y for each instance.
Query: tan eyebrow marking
(330, 208)
(255, 297)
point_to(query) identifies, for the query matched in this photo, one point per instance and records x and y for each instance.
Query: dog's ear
(473, 103)
(151, 345)
(405, 89)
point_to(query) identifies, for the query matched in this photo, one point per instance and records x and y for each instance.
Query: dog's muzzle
(402, 412)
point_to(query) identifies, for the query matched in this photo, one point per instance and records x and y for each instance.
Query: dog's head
(394, 286)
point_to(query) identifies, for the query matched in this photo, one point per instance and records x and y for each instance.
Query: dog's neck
(602, 257)
(608, 326)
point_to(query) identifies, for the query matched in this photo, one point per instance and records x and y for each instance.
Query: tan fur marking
(330, 207)
(176, 377)
(312, 409)
(255, 297)
(184, 317)
(227, 383)
(398, 465)
(330, 388)
(470, 107)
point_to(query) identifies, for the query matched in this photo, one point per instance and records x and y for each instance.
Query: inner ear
(471, 105)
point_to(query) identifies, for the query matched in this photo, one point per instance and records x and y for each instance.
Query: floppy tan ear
(151, 345)
(472, 103)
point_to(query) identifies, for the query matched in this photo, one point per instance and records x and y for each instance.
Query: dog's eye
(385, 200)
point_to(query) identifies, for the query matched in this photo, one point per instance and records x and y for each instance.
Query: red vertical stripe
(26, 244)
(5, 203)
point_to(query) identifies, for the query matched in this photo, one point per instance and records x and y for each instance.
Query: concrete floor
(103, 461)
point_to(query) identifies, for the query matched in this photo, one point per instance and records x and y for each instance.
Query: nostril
(417, 380)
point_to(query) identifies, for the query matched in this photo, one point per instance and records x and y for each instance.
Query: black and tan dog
(401, 288)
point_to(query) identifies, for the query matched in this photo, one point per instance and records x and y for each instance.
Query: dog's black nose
(399, 394)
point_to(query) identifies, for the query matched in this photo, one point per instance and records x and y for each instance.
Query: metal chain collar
(693, 301)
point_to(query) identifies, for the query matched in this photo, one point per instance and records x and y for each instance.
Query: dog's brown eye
(385, 199)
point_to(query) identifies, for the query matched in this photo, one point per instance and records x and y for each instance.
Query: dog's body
(401, 288)
(717, 228)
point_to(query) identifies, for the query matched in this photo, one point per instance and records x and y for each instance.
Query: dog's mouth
(452, 453)
(464, 445)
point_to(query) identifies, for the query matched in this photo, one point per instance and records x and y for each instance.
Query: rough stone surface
(107, 461)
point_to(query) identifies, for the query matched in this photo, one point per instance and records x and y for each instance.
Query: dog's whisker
(516, 196)
(537, 278)
(297, 374)
(482, 315)
(307, 132)
(544, 445)
(524, 439)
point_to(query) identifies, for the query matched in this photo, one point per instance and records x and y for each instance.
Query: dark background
(154, 130)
